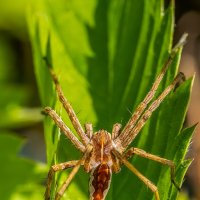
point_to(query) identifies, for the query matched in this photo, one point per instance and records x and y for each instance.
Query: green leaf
(25, 176)
(107, 59)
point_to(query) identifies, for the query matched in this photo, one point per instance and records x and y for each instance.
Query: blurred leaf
(14, 116)
(12, 17)
(183, 196)
(106, 61)
(14, 95)
(20, 177)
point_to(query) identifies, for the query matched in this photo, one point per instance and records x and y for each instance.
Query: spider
(104, 153)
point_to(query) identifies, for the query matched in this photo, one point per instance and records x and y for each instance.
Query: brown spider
(104, 153)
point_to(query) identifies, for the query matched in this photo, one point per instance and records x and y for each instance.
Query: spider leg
(89, 130)
(116, 130)
(116, 164)
(149, 156)
(55, 168)
(146, 181)
(142, 106)
(64, 128)
(123, 142)
(64, 186)
(72, 115)
(74, 171)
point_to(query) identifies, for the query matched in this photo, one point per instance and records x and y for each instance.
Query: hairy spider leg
(53, 170)
(116, 130)
(74, 171)
(123, 142)
(67, 106)
(142, 106)
(146, 181)
(64, 186)
(149, 156)
(58, 121)
(89, 130)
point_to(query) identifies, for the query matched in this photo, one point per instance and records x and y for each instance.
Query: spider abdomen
(100, 179)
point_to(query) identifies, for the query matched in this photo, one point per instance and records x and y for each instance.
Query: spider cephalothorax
(104, 153)
(102, 146)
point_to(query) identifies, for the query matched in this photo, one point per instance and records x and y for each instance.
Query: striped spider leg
(104, 153)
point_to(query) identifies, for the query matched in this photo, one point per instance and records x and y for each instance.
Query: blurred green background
(22, 150)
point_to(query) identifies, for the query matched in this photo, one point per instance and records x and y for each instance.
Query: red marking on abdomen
(100, 182)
